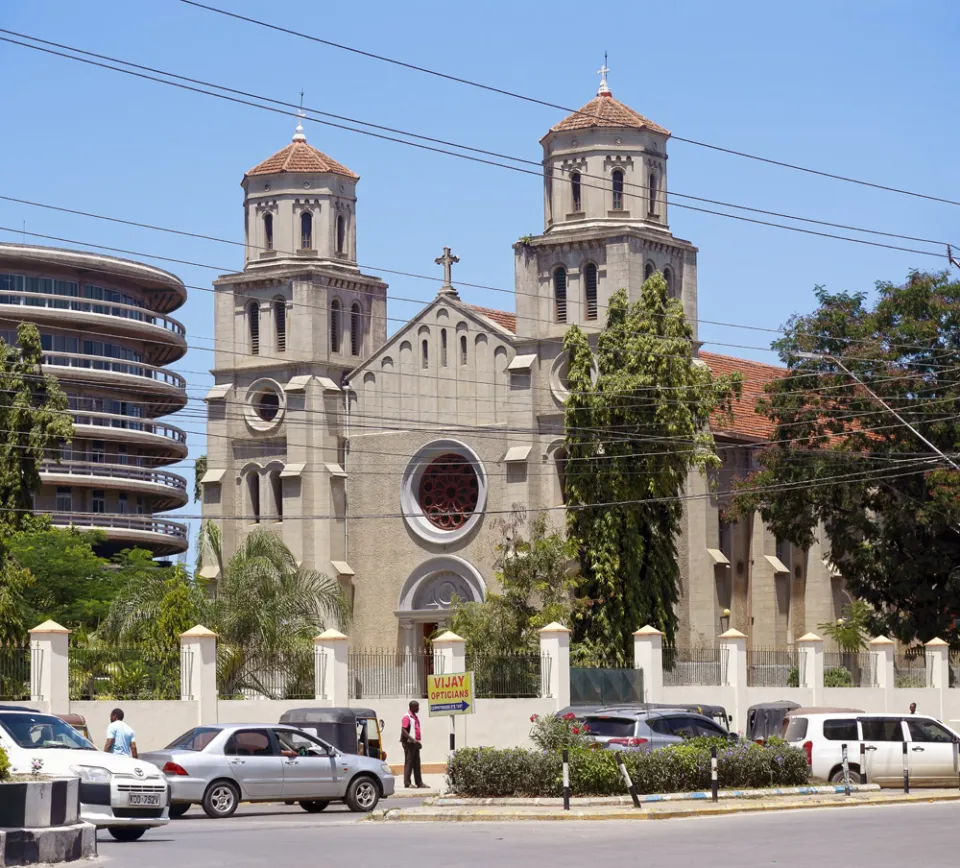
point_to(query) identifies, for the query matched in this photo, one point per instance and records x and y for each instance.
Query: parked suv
(627, 728)
(931, 747)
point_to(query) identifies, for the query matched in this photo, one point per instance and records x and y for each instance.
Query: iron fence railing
(509, 676)
(954, 668)
(382, 672)
(287, 674)
(701, 667)
(14, 673)
(849, 669)
(114, 672)
(773, 667)
(910, 668)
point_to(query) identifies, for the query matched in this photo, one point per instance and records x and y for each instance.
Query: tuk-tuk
(352, 730)
(78, 723)
(765, 718)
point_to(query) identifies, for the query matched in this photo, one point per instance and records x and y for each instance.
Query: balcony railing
(55, 358)
(109, 520)
(83, 305)
(129, 423)
(115, 471)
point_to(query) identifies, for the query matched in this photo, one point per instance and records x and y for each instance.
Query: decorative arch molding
(429, 590)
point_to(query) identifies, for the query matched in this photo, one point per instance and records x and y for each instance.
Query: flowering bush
(4, 765)
(552, 733)
(489, 773)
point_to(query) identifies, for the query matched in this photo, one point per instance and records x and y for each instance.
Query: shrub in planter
(550, 732)
(839, 676)
(489, 773)
(4, 766)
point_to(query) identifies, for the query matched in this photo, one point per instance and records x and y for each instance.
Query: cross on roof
(447, 261)
(604, 89)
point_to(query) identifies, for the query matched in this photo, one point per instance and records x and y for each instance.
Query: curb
(419, 815)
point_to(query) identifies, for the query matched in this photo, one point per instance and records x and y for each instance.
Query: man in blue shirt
(120, 737)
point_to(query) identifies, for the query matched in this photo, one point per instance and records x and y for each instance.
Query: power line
(547, 104)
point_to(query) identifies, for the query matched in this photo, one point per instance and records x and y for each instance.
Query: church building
(388, 461)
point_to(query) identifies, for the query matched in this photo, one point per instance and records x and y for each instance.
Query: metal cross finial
(299, 135)
(447, 261)
(602, 72)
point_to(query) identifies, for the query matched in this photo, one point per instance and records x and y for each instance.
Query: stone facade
(390, 462)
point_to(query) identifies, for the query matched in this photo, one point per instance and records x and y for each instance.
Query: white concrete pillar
(648, 656)
(938, 669)
(555, 645)
(810, 649)
(198, 672)
(449, 654)
(332, 649)
(733, 661)
(882, 650)
(50, 666)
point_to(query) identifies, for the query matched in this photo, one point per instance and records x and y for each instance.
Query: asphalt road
(906, 835)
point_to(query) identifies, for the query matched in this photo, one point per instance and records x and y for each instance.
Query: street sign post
(450, 696)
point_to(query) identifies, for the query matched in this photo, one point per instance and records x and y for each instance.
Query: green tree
(34, 423)
(851, 632)
(15, 619)
(199, 470)
(841, 460)
(633, 435)
(536, 574)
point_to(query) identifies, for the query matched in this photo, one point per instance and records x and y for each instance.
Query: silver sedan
(221, 765)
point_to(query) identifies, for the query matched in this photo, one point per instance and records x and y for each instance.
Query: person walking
(121, 739)
(410, 739)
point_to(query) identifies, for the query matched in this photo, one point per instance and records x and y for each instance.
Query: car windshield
(195, 739)
(42, 732)
(611, 727)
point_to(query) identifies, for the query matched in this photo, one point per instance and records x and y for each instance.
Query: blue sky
(856, 88)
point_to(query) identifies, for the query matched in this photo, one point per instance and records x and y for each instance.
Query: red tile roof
(502, 318)
(746, 421)
(605, 111)
(301, 157)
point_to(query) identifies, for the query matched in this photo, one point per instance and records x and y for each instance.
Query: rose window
(449, 491)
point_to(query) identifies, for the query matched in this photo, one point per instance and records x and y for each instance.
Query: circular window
(264, 405)
(448, 491)
(443, 491)
(559, 373)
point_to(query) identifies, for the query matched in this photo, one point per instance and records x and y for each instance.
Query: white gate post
(555, 645)
(332, 650)
(198, 672)
(50, 666)
(648, 657)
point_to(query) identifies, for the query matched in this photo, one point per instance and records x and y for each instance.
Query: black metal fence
(773, 667)
(606, 686)
(14, 674)
(702, 667)
(910, 668)
(384, 672)
(509, 676)
(273, 675)
(849, 669)
(113, 672)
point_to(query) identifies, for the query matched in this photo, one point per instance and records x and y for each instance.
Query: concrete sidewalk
(657, 810)
(436, 786)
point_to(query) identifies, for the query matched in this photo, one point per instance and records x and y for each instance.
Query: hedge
(489, 773)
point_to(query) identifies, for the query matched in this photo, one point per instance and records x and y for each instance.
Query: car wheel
(837, 777)
(314, 806)
(127, 833)
(177, 811)
(221, 799)
(362, 794)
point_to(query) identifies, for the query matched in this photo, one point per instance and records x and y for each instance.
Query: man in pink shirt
(410, 739)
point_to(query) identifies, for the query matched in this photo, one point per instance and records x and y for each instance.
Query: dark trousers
(411, 763)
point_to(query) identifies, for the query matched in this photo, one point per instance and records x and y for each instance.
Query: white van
(931, 747)
(122, 795)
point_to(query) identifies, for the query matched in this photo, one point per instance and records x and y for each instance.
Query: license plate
(144, 800)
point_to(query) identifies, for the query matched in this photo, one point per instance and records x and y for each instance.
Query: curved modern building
(107, 335)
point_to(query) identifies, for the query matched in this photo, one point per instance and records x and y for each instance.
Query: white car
(931, 747)
(122, 795)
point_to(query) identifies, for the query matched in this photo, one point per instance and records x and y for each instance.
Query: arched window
(268, 231)
(617, 189)
(560, 294)
(590, 289)
(463, 349)
(253, 322)
(443, 347)
(356, 329)
(306, 231)
(648, 270)
(653, 193)
(560, 459)
(668, 277)
(425, 354)
(280, 322)
(253, 497)
(336, 329)
(341, 234)
(575, 190)
(276, 495)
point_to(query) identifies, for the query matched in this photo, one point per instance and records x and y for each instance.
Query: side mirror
(732, 736)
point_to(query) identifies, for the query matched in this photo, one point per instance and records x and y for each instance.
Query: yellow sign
(450, 694)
